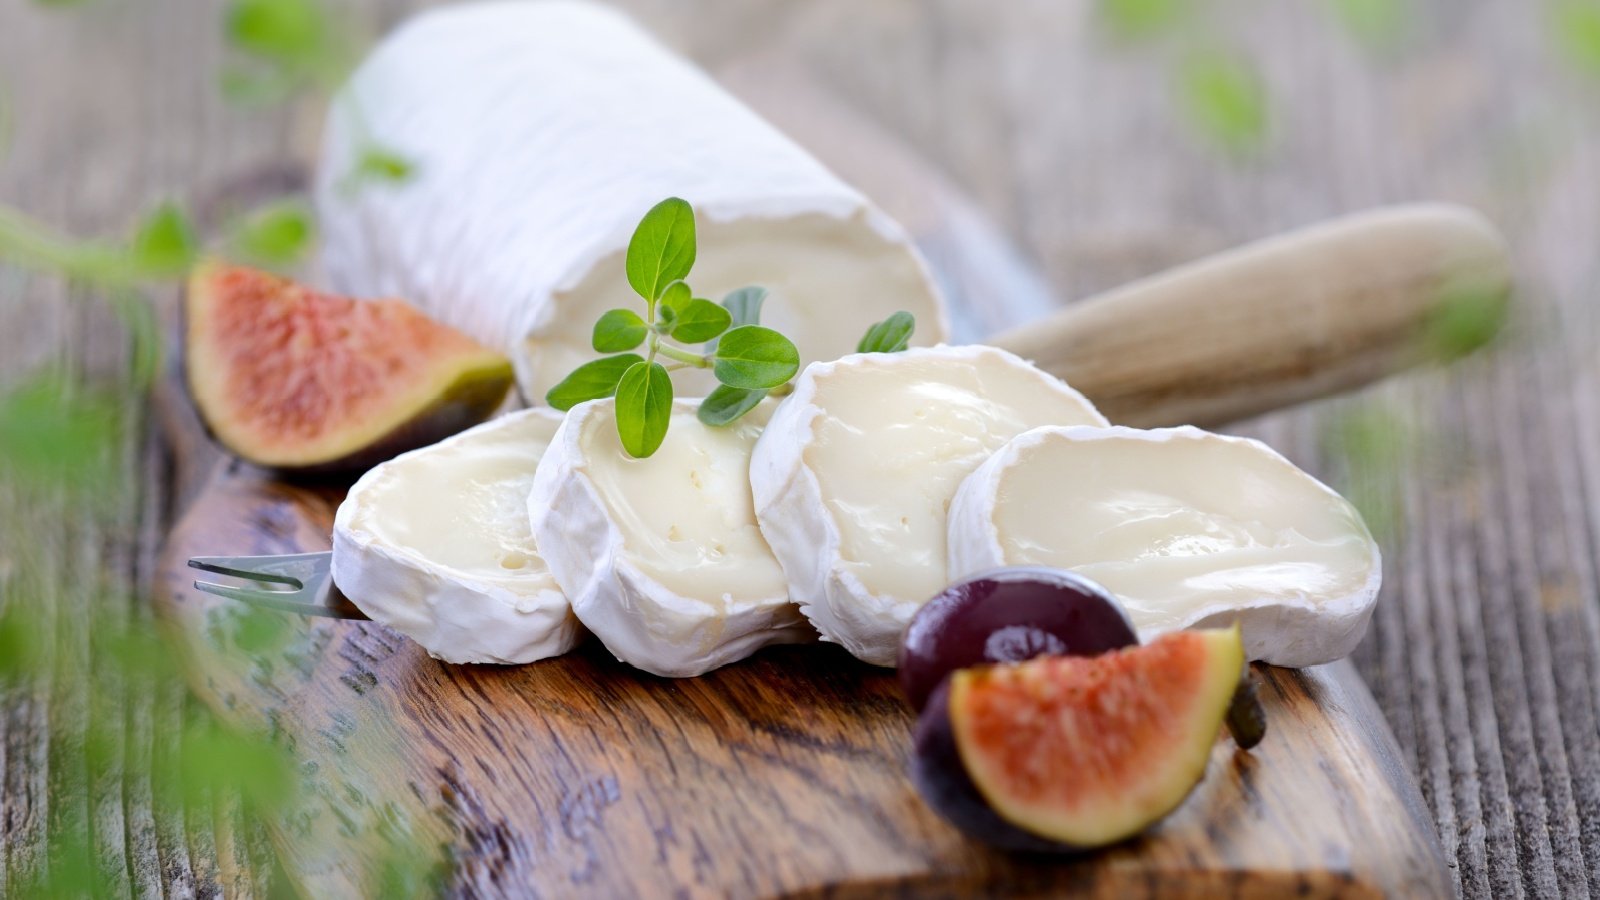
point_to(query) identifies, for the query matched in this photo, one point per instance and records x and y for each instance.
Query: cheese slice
(853, 477)
(435, 544)
(1187, 528)
(540, 133)
(662, 557)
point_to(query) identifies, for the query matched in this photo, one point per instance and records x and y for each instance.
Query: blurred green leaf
(218, 758)
(382, 166)
(1133, 19)
(55, 434)
(1225, 99)
(1469, 315)
(1577, 32)
(165, 244)
(276, 236)
(1376, 23)
(297, 43)
(1371, 444)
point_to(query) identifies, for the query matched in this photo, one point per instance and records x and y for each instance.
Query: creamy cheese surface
(1184, 527)
(662, 556)
(854, 476)
(685, 513)
(463, 505)
(436, 544)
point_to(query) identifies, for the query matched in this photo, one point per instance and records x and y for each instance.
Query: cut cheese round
(435, 544)
(853, 477)
(1187, 528)
(540, 134)
(662, 556)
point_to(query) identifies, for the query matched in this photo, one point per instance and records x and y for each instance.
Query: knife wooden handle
(1280, 321)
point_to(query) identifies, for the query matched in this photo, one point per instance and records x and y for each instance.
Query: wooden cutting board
(784, 774)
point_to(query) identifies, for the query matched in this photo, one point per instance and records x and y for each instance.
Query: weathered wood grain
(1079, 146)
(781, 775)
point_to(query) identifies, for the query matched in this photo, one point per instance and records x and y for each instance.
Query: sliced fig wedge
(290, 378)
(1077, 752)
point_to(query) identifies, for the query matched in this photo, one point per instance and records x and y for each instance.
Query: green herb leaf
(754, 357)
(164, 245)
(275, 236)
(701, 321)
(644, 408)
(665, 317)
(676, 296)
(662, 248)
(889, 336)
(619, 330)
(726, 404)
(745, 305)
(591, 381)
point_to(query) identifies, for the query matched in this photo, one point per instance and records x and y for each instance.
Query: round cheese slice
(853, 476)
(435, 544)
(1187, 528)
(662, 556)
(539, 134)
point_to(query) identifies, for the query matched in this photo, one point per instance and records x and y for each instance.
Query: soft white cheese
(662, 557)
(435, 544)
(853, 477)
(540, 133)
(1188, 528)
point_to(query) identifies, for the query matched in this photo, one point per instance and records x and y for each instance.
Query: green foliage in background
(1576, 24)
(1379, 24)
(1225, 99)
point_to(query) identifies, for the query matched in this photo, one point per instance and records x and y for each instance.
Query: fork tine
(229, 565)
(245, 595)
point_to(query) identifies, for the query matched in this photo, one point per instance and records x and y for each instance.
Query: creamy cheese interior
(462, 505)
(898, 435)
(685, 513)
(1170, 526)
(828, 280)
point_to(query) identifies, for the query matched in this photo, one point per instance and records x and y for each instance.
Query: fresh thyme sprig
(750, 361)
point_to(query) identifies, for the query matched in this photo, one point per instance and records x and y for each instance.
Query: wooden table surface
(1485, 649)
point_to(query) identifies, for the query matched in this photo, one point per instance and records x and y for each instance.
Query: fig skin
(941, 778)
(1008, 615)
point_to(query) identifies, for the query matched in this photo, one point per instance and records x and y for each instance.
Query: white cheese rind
(1190, 529)
(433, 543)
(861, 536)
(540, 133)
(631, 575)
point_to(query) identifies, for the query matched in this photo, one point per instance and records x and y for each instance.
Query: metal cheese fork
(297, 582)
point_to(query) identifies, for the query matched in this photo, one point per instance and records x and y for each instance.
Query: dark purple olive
(1008, 615)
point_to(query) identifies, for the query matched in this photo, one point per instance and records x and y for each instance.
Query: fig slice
(290, 378)
(1087, 751)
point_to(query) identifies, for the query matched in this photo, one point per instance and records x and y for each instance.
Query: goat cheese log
(540, 133)
(1189, 529)
(436, 544)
